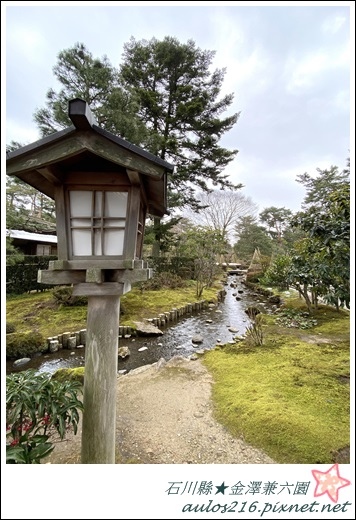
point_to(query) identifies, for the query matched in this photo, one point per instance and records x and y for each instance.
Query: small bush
(69, 374)
(254, 332)
(294, 318)
(37, 408)
(184, 266)
(164, 280)
(64, 296)
(254, 277)
(278, 273)
(21, 274)
(10, 327)
(23, 344)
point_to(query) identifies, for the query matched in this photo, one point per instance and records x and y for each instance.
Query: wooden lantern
(103, 186)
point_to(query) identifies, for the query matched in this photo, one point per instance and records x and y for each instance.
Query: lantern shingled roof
(39, 164)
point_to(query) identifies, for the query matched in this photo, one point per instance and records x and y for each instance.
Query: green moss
(10, 327)
(148, 304)
(24, 344)
(289, 396)
(40, 312)
(69, 374)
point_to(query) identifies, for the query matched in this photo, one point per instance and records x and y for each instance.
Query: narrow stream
(211, 324)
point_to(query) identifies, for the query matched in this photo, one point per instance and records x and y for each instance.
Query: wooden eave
(43, 164)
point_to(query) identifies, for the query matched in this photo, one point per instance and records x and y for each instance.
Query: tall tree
(328, 230)
(165, 231)
(221, 211)
(204, 246)
(251, 236)
(28, 209)
(319, 263)
(97, 82)
(320, 186)
(276, 220)
(179, 100)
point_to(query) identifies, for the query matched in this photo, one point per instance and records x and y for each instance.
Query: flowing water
(211, 324)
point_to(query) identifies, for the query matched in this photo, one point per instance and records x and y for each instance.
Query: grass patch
(288, 397)
(148, 304)
(39, 312)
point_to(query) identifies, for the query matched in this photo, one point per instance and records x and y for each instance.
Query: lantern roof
(84, 147)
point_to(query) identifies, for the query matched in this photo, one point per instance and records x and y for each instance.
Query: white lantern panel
(114, 241)
(115, 204)
(109, 223)
(81, 242)
(97, 220)
(80, 203)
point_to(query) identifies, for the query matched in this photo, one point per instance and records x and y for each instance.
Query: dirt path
(164, 416)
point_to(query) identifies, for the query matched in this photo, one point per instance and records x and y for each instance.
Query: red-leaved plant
(38, 407)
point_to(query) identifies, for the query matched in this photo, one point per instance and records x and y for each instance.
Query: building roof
(34, 237)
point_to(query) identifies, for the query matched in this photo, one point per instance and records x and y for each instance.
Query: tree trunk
(157, 242)
(305, 295)
(303, 292)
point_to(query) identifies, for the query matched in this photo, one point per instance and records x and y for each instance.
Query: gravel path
(164, 416)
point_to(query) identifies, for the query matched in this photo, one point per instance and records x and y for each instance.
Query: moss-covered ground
(289, 396)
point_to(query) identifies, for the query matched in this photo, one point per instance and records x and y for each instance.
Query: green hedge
(22, 276)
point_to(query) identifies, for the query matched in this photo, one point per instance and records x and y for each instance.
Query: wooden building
(33, 243)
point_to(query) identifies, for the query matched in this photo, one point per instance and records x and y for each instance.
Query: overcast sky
(287, 65)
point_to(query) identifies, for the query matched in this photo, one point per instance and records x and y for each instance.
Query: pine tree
(96, 81)
(179, 100)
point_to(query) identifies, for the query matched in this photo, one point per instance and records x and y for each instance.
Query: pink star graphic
(329, 482)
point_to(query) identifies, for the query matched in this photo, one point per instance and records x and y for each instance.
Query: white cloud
(243, 63)
(333, 25)
(29, 42)
(20, 132)
(252, 67)
(246, 73)
(304, 72)
(260, 183)
(276, 186)
(227, 30)
(342, 101)
(326, 108)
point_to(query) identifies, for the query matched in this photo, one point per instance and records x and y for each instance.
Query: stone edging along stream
(71, 340)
